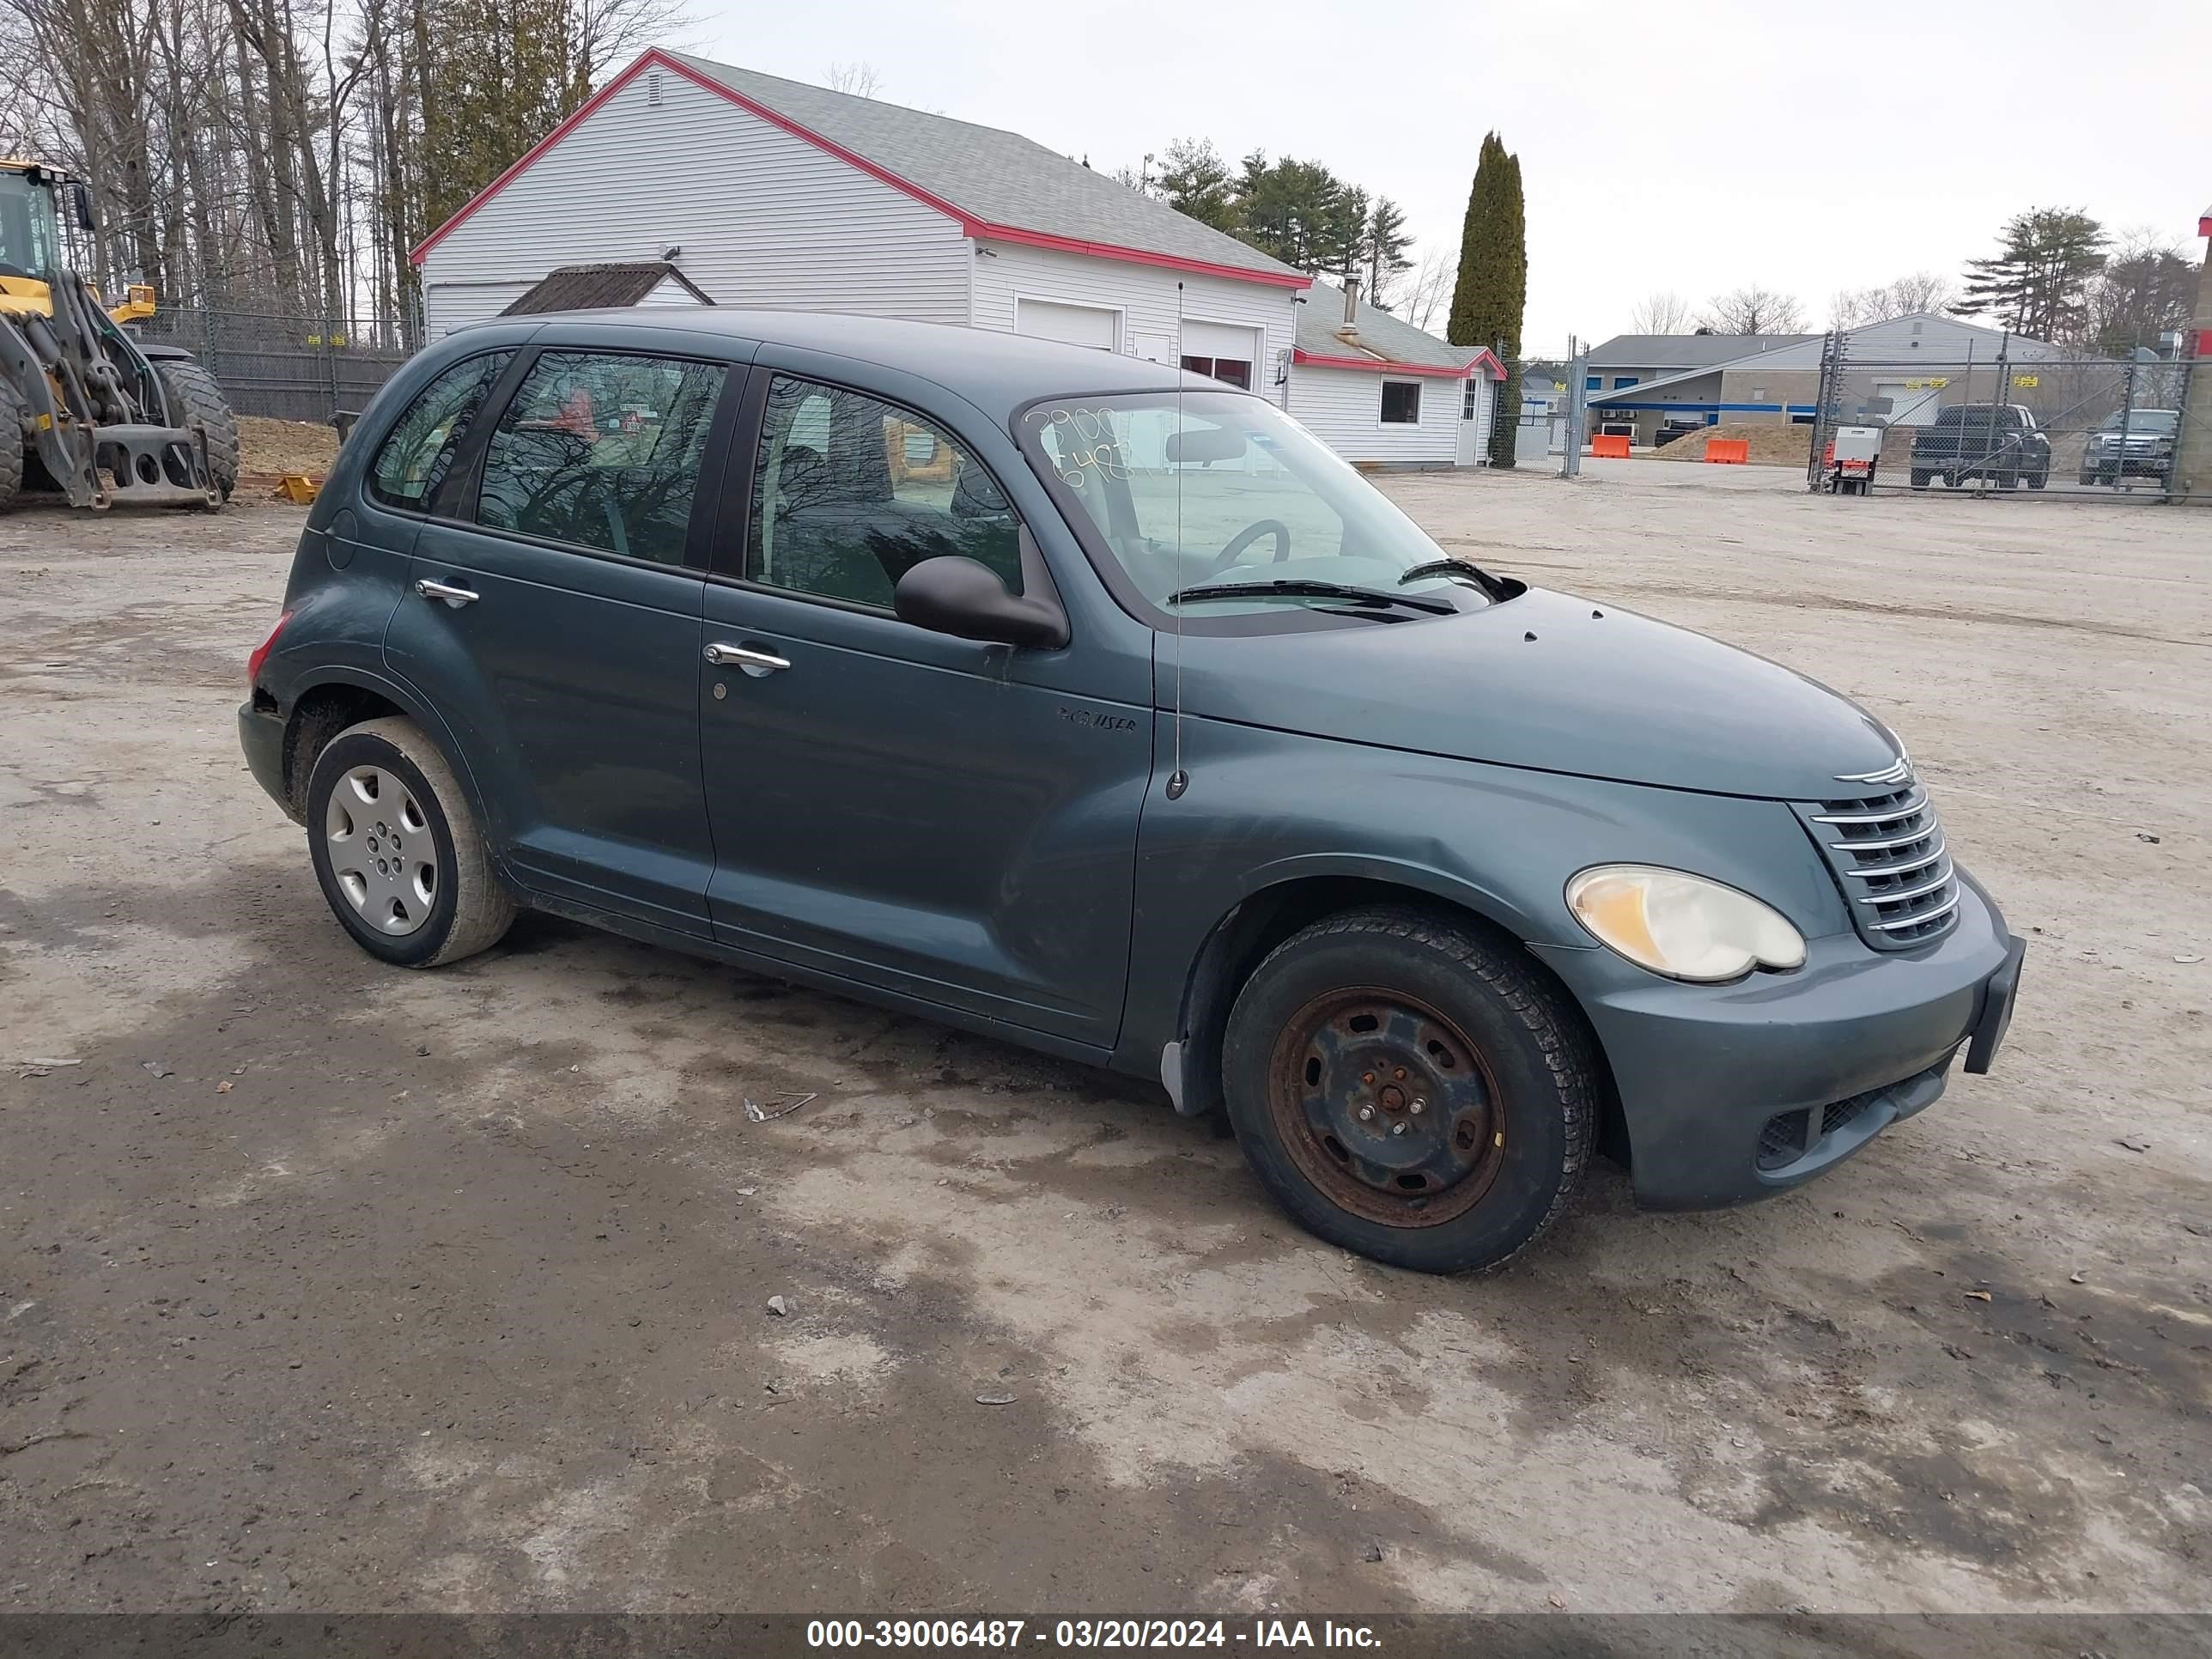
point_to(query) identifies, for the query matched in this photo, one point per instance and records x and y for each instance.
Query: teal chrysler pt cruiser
(1097, 706)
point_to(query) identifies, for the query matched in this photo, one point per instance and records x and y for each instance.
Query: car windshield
(1200, 494)
(2144, 420)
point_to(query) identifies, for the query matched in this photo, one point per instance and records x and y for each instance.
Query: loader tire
(12, 443)
(195, 399)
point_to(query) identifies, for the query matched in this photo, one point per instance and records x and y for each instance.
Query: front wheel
(195, 399)
(13, 444)
(2037, 480)
(1410, 1091)
(397, 850)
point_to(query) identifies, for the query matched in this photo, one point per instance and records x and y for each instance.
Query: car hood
(1545, 680)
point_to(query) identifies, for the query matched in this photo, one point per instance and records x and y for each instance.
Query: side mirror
(962, 596)
(80, 206)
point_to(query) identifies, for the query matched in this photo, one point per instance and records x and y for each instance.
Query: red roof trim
(970, 226)
(1134, 256)
(1377, 366)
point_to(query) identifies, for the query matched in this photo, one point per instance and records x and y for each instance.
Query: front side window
(1211, 491)
(851, 493)
(419, 450)
(1401, 402)
(601, 450)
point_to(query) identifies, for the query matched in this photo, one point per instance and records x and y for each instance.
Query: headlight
(1682, 926)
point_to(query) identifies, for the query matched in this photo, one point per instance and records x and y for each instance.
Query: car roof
(997, 372)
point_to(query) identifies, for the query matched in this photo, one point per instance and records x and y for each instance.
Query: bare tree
(1906, 296)
(1663, 312)
(860, 79)
(1427, 293)
(1751, 309)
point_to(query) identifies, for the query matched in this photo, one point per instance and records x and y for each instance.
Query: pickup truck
(1998, 442)
(2138, 441)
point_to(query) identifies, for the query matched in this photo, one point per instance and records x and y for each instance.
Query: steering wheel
(1252, 532)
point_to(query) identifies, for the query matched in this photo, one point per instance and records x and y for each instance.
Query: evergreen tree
(2039, 285)
(1294, 211)
(1383, 250)
(1493, 281)
(1196, 180)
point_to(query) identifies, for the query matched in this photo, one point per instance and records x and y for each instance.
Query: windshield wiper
(1460, 569)
(1302, 588)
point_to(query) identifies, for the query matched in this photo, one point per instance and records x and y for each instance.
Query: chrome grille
(1887, 853)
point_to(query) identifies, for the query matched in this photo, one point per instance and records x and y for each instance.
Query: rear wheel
(2007, 481)
(1409, 1090)
(397, 850)
(2037, 480)
(13, 442)
(195, 399)
(1920, 478)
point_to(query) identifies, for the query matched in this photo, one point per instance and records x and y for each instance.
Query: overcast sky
(1809, 145)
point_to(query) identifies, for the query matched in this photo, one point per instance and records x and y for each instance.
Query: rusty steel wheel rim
(1387, 1107)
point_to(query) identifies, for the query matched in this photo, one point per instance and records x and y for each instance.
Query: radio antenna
(1178, 779)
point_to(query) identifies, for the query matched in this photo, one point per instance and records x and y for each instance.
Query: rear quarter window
(417, 453)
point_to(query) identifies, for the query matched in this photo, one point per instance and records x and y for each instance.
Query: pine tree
(1194, 179)
(1384, 248)
(1493, 281)
(2038, 285)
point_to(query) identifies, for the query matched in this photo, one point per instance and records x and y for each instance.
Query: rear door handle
(454, 597)
(754, 661)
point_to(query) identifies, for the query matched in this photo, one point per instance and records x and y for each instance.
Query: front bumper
(1845, 1045)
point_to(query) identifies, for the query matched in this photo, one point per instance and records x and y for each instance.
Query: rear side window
(601, 450)
(421, 445)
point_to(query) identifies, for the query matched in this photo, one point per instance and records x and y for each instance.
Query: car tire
(398, 851)
(1478, 1076)
(1920, 479)
(2037, 480)
(2007, 481)
(1951, 480)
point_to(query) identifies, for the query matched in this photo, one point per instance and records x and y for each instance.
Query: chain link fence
(288, 366)
(2025, 417)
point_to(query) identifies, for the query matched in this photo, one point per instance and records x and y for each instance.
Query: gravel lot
(328, 1286)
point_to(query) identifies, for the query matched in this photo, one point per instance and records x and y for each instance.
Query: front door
(554, 615)
(943, 820)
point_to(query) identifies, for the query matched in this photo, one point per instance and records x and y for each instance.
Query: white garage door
(1225, 352)
(1909, 405)
(1083, 326)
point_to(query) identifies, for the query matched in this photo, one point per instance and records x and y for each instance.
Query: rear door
(554, 615)
(944, 820)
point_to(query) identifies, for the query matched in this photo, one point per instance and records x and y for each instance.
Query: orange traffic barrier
(1614, 444)
(1733, 452)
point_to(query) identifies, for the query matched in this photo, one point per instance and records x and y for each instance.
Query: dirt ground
(325, 1285)
(269, 449)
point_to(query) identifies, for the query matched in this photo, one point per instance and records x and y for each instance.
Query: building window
(1620, 380)
(1231, 371)
(1592, 382)
(1401, 402)
(1467, 403)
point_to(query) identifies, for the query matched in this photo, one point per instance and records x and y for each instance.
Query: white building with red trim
(768, 192)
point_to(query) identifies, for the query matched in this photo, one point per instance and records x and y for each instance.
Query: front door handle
(454, 597)
(754, 661)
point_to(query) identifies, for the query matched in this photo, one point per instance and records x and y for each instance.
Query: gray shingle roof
(996, 177)
(593, 288)
(1382, 337)
(1685, 350)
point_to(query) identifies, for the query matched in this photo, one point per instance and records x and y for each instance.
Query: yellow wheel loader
(85, 409)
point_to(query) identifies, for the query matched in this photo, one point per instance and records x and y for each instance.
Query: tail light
(261, 653)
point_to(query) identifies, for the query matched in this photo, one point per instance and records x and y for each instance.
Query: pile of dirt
(269, 449)
(1773, 443)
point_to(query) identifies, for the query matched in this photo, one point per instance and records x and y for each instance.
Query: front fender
(1265, 808)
